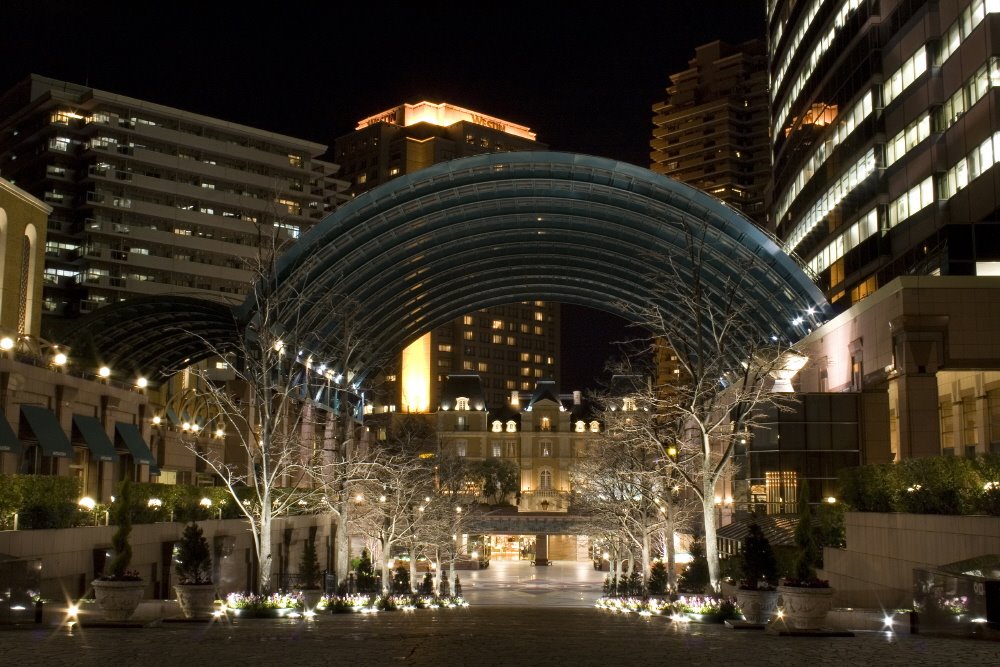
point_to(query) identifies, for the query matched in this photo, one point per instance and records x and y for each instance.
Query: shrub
(401, 580)
(40, 501)
(658, 578)
(309, 571)
(122, 514)
(869, 488)
(194, 560)
(427, 585)
(695, 578)
(759, 563)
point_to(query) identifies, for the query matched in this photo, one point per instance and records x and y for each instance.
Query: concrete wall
(68, 555)
(876, 568)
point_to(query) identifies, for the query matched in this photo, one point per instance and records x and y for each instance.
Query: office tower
(510, 347)
(884, 139)
(711, 130)
(149, 199)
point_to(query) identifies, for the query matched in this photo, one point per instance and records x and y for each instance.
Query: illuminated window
(545, 448)
(512, 426)
(595, 426)
(295, 160)
(497, 426)
(482, 367)
(495, 448)
(467, 365)
(496, 339)
(525, 356)
(526, 371)
(444, 348)
(468, 335)
(461, 403)
(467, 320)
(511, 340)
(362, 179)
(581, 427)
(539, 331)
(546, 424)
(545, 480)
(497, 324)
(628, 404)
(390, 378)
(461, 447)
(539, 317)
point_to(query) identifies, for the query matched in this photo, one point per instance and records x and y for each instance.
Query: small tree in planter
(193, 567)
(757, 596)
(119, 589)
(309, 574)
(804, 598)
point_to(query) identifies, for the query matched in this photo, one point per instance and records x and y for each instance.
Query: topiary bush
(658, 578)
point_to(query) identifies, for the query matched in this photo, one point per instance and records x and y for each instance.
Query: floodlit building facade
(711, 130)
(884, 141)
(510, 347)
(148, 199)
(883, 133)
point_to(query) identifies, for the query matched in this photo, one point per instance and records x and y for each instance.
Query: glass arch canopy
(486, 230)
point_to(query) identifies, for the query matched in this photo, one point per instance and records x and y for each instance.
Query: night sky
(583, 79)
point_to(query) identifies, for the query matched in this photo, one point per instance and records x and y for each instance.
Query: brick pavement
(479, 636)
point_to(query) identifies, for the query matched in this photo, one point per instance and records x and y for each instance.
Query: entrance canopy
(500, 228)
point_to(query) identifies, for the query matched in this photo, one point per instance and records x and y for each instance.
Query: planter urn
(805, 608)
(118, 599)
(196, 600)
(757, 606)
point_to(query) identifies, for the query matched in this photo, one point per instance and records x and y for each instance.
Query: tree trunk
(645, 559)
(671, 550)
(341, 543)
(413, 569)
(264, 551)
(711, 539)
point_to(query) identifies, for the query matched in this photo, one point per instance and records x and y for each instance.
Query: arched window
(461, 403)
(595, 426)
(497, 426)
(580, 426)
(546, 424)
(628, 404)
(545, 480)
(512, 426)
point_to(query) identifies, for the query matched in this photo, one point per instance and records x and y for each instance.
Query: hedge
(932, 485)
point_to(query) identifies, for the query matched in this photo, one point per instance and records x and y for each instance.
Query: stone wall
(69, 557)
(876, 568)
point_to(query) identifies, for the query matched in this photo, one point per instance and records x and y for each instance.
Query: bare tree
(724, 356)
(288, 415)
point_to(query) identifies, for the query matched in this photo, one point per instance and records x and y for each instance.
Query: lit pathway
(519, 584)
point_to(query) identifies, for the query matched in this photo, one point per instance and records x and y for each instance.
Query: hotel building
(510, 347)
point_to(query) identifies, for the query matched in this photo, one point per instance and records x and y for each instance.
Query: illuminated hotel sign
(443, 115)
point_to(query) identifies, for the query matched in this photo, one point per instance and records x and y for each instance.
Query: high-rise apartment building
(711, 131)
(149, 199)
(510, 347)
(885, 139)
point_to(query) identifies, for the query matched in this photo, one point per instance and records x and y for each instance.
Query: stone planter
(118, 599)
(310, 597)
(757, 606)
(196, 600)
(804, 608)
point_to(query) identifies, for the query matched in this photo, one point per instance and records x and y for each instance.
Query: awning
(129, 433)
(95, 437)
(8, 439)
(46, 428)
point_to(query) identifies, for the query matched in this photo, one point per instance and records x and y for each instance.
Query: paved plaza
(520, 616)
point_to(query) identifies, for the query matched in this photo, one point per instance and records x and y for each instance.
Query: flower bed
(684, 608)
(340, 604)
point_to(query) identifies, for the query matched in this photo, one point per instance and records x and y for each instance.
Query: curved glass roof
(427, 247)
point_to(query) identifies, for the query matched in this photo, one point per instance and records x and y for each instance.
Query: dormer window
(497, 426)
(512, 426)
(546, 424)
(461, 403)
(595, 427)
(580, 427)
(628, 404)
